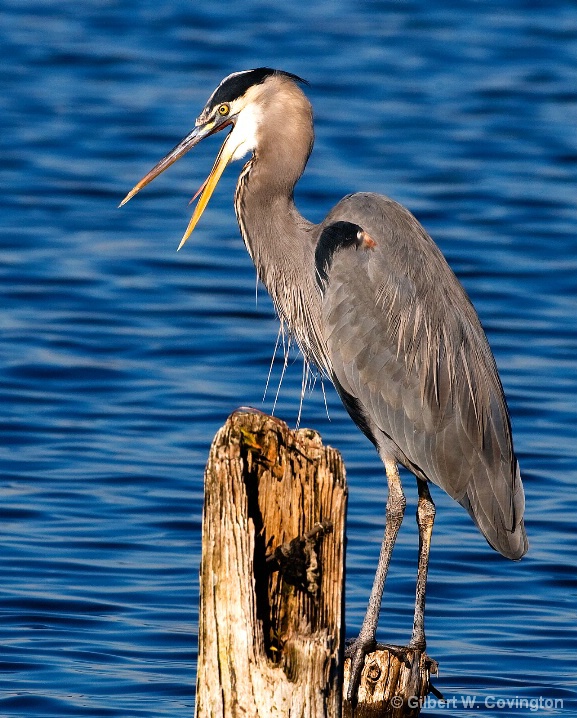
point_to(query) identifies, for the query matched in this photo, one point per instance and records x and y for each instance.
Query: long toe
(357, 650)
(402, 672)
(403, 653)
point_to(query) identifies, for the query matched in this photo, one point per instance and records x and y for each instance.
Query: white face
(244, 134)
(248, 113)
(246, 117)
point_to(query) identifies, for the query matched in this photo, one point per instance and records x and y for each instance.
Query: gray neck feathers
(279, 239)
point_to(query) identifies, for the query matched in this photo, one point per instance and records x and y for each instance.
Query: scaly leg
(365, 642)
(425, 520)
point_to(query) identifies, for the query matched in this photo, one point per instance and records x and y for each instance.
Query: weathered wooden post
(271, 619)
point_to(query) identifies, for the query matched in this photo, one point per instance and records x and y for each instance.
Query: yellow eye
(223, 110)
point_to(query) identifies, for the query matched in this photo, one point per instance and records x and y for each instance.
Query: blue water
(121, 358)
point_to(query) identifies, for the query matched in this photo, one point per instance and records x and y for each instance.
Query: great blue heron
(392, 327)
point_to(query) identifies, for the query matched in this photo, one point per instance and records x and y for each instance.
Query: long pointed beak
(223, 158)
(192, 139)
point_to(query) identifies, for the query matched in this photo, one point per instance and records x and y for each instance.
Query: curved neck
(279, 239)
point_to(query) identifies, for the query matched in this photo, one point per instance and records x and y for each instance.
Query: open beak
(223, 158)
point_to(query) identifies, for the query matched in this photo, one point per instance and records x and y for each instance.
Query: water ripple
(121, 358)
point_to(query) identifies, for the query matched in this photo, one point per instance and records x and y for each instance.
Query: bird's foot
(417, 646)
(356, 649)
(413, 657)
(402, 653)
(421, 667)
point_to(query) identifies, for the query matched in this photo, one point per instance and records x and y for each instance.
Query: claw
(418, 664)
(400, 652)
(356, 650)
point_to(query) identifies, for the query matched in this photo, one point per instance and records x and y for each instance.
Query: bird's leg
(425, 520)
(365, 642)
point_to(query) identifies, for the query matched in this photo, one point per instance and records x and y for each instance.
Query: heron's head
(241, 102)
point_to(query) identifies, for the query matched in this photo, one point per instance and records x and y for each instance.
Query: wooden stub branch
(393, 685)
(272, 582)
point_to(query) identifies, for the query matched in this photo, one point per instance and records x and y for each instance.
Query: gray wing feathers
(411, 349)
(486, 512)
